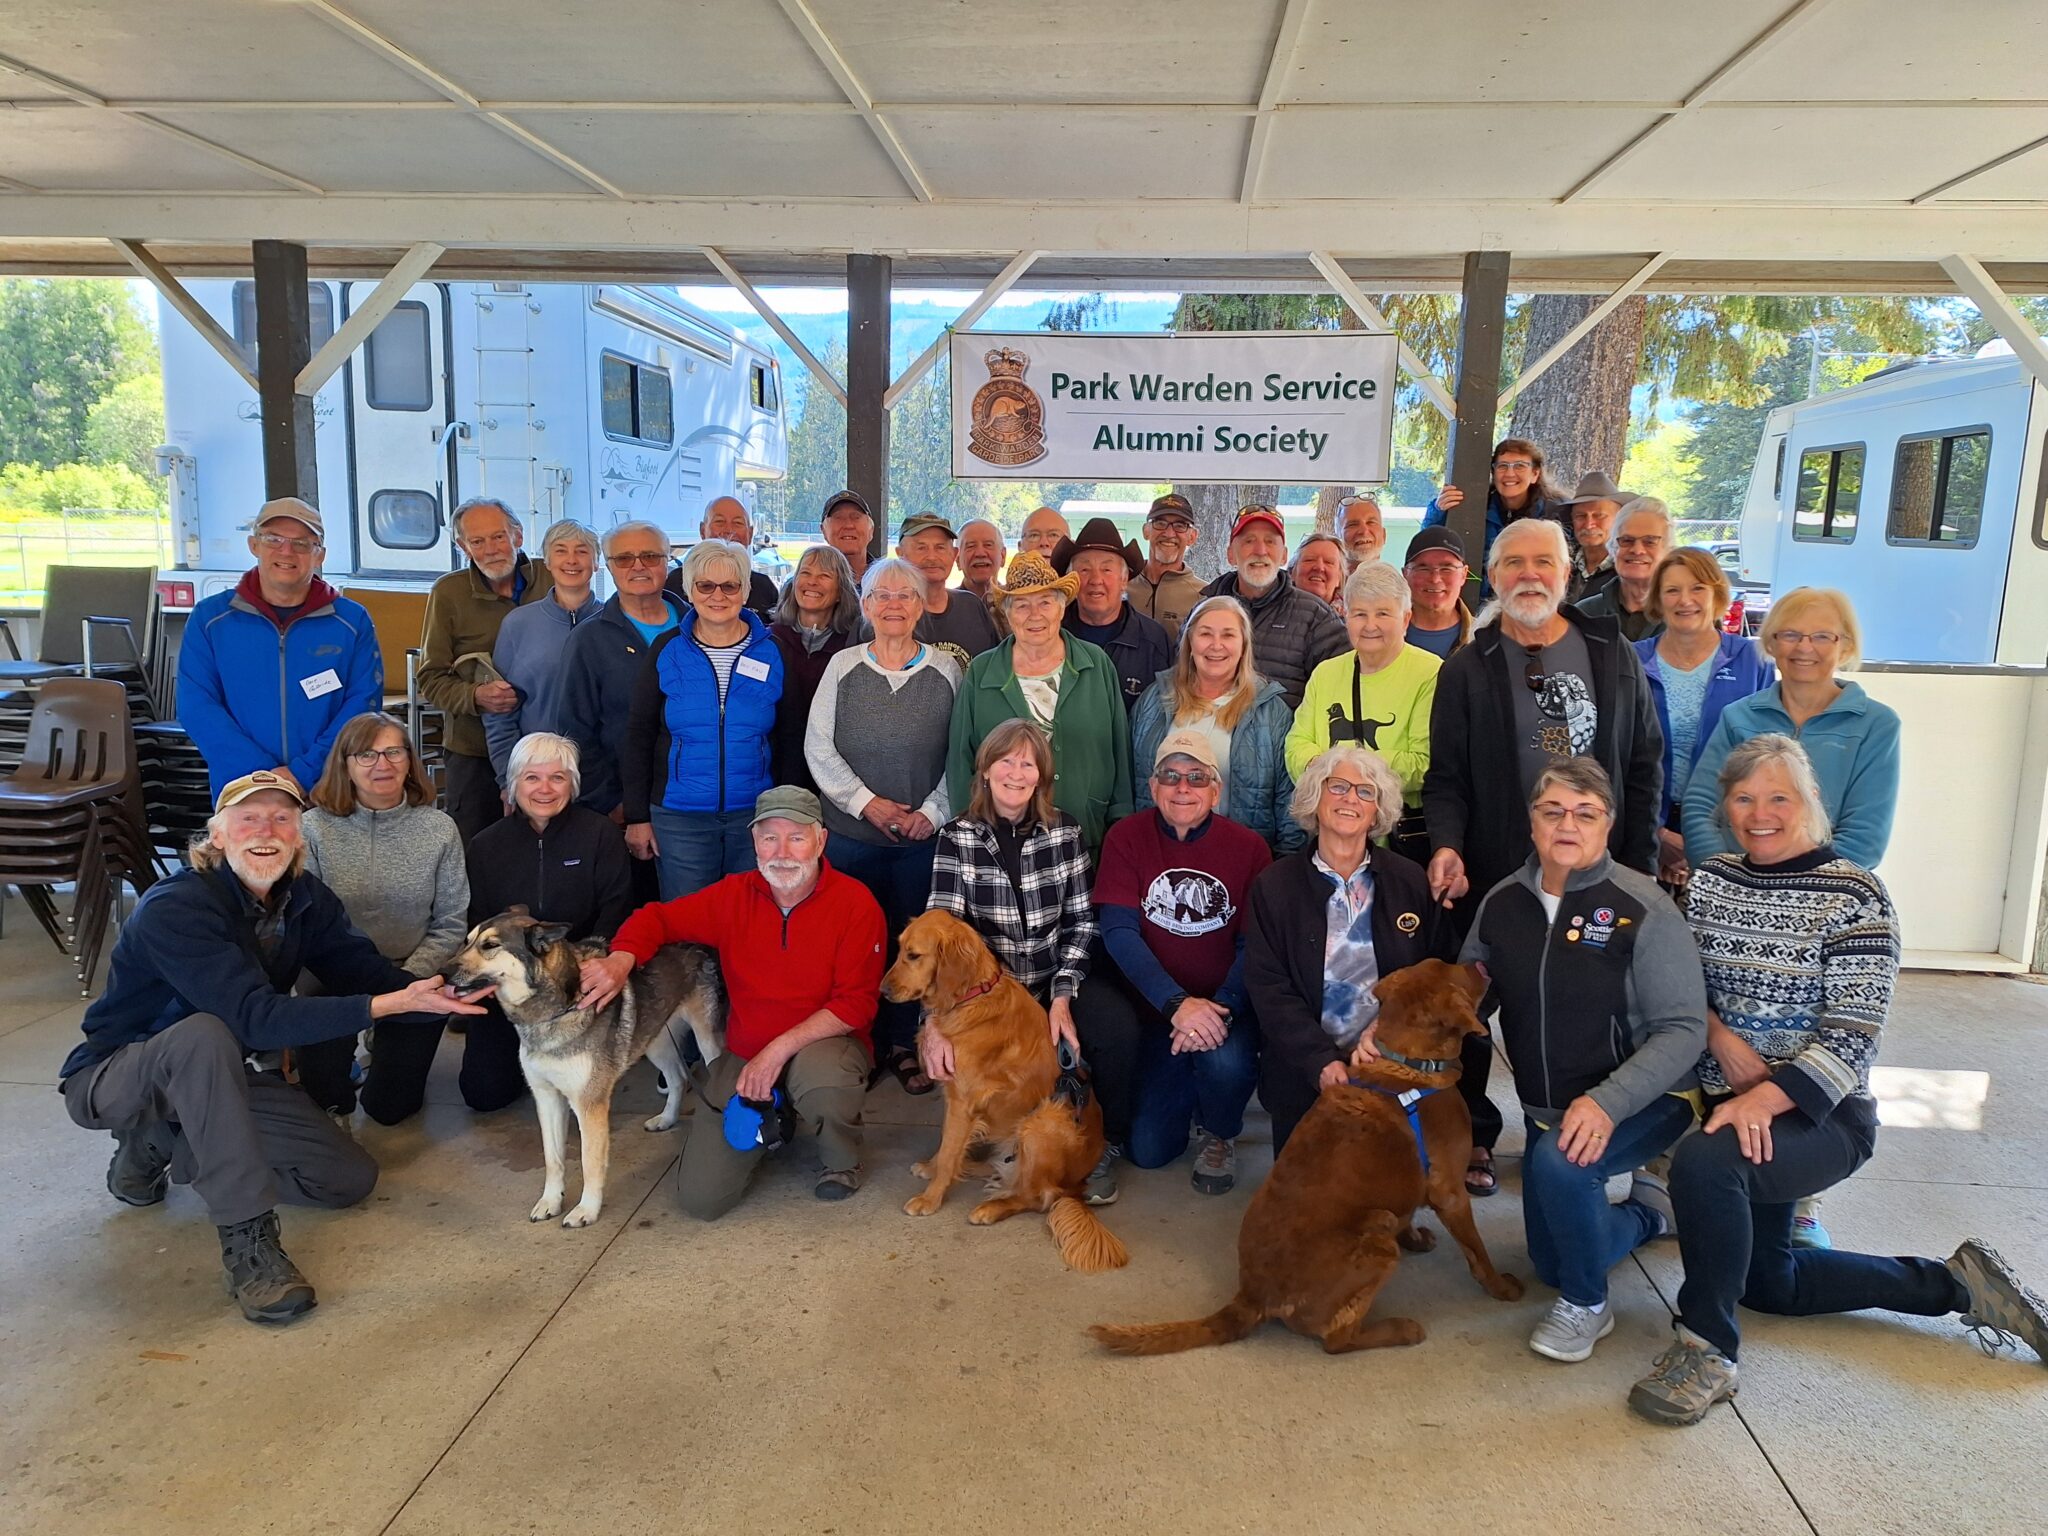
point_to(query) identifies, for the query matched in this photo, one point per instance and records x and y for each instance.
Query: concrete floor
(848, 1369)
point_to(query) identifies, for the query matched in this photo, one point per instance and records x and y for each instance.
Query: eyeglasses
(1820, 637)
(1551, 814)
(1532, 669)
(391, 755)
(892, 596)
(1525, 465)
(1344, 789)
(716, 588)
(638, 557)
(1194, 778)
(277, 541)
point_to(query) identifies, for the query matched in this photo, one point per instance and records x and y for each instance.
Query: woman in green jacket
(1064, 684)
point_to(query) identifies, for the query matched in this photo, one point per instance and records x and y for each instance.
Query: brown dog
(1321, 1236)
(1001, 1104)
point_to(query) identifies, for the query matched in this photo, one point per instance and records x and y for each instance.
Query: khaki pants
(826, 1081)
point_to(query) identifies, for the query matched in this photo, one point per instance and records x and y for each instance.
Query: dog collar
(973, 992)
(1416, 1063)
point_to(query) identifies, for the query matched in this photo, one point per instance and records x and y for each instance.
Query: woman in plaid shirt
(1015, 868)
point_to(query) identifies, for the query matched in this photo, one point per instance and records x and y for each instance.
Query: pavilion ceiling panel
(86, 149)
(1905, 50)
(1055, 155)
(1442, 152)
(718, 154)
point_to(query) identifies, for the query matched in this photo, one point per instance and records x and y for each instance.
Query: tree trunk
(1578, 411)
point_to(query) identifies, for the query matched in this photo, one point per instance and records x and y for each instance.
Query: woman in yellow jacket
(1378, 697)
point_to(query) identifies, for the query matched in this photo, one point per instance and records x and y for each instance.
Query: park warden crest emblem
(1009, 418)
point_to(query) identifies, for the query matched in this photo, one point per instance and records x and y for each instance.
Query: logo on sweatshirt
(1188, 903)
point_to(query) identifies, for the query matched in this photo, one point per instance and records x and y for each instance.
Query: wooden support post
(283, 347)
(867, 386)
(1480, 323)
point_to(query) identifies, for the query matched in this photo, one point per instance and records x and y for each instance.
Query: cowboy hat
(1031, 572)
(1097, 533)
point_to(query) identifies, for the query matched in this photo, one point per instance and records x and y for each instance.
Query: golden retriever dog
(1326, 1228)
(1009, 1114)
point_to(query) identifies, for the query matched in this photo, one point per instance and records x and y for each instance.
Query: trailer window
(765, 397)
(405, 519)
(398, 363)
(1938, 488)
(1829, 491)
(638, 401)
(319, 310)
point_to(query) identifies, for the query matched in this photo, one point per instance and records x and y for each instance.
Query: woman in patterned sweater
(1800, 949)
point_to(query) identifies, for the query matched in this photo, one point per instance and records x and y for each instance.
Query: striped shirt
(1800, 960)
(722, 658)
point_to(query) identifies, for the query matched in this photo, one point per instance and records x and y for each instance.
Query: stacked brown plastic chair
(72, 814)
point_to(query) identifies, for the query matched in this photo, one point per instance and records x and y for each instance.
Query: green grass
(33, 541)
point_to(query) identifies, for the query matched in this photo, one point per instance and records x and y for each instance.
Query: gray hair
(1308, 789)
(463, 509)
(895, 565)
(1758, 752)
(636, 527)
(1377, 579)
(1580, 775)
(1547, 528)
(845, 607)
(569, 531)
(537, 747)
(706, 553)
(1310, 542)
(1641, 506)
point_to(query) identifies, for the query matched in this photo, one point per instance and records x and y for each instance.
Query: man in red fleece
(801, 948)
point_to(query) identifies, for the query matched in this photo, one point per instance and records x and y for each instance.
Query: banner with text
(1282, 407)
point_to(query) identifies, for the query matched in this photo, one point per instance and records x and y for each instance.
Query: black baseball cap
(1438, 537)
(840, 499)
(1172, 501)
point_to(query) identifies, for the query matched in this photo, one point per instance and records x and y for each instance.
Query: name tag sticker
(320, 683)
(751, 666)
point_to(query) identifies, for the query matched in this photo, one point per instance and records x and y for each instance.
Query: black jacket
(191, 947)
(577, 871)
(1283, 950)
(1472, 795)
(802, 671)
(601, 663)
(1139, 651)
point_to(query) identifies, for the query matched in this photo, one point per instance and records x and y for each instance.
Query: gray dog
(573, 1057)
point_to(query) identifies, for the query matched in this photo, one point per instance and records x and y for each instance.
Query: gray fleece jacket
(401, 876)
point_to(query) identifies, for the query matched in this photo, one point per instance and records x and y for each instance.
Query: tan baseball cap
(254, 784)
(292, 506)
(1187, 744)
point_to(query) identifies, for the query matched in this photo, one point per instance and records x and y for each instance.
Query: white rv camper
(1919, 493)
(602, 402)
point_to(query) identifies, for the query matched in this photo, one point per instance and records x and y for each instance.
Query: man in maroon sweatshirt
(800, 946)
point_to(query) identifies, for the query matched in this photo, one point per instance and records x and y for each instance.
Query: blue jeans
(1735, 1233)
(899, 875)
(700, 848)
(1211, 1087)
(1575, 1236)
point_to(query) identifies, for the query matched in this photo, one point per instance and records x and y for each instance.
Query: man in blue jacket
(178, 1051)
(269, 673)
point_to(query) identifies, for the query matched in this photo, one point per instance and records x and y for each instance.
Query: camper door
(401, 459)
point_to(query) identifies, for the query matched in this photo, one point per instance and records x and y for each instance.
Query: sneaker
(837, 1183)
(1101, 1187)
(1654, 1195)
(1215, 1165)
(260, 1274)
(140, 1171)
(2001, 1309)
(1684, 1382)
(1571, 1331)
(1807, 1232)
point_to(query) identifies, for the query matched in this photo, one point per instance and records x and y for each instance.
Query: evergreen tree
(64, 344)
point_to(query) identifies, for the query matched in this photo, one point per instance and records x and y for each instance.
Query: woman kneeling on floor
(1602, 1016)
(1801, 950)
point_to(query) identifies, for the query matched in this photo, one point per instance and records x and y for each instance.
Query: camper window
(1938, 488)
(398, 364)
(763, 383)
(405, 520)
(638, 401)
(320, 315)
(1830, 489)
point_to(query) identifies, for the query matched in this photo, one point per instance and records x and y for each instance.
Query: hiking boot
(1653, 1195)
(837, 1183)
(1215, 1165)
(2001, 1309)
(141, 1168)
(1684, 1382)
(261, 1277)
(1101, 1187)
(1571, 1331)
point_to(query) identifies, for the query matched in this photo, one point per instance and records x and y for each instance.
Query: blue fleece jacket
(252, 694)
(1854, 744)
(532, 648)
(1739, 670)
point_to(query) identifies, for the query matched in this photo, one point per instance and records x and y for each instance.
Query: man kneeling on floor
(800, 946)
(179, 1054)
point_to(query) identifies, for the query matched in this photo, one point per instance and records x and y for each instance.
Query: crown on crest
(1006, 363)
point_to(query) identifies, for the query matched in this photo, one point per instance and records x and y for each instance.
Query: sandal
(909, 1071)
(1479, 1177)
